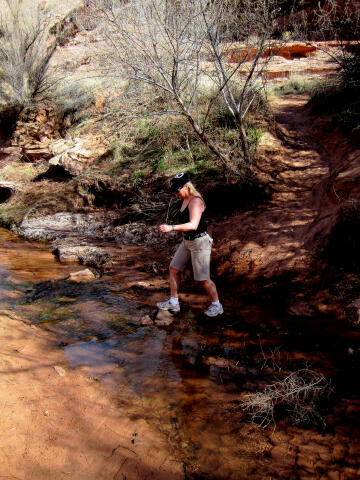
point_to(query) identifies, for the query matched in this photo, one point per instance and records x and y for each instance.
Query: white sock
(217, 303)
(174, 300)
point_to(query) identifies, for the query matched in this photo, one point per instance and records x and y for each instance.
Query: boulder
(86, 255)
(75, 155)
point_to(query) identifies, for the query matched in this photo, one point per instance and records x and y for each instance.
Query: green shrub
(224, 119)
(165, 144)
(255, 134)
(295, 86)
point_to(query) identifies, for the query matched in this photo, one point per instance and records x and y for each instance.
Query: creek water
(188, 380)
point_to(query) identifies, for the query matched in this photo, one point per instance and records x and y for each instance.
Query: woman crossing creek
(196, 245)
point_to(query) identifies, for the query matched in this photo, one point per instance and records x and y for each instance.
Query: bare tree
(26, 46)
(195, 52)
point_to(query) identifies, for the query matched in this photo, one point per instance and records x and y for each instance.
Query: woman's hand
(165, 228)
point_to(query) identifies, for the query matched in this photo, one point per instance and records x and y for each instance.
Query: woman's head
(181, 186)
(178, 181)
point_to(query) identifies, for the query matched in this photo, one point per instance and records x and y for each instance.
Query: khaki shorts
(199, 250)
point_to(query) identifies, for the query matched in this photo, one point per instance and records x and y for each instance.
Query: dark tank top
(184, 217)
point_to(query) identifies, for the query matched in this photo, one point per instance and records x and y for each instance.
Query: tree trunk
(206, 141)
(244, 141)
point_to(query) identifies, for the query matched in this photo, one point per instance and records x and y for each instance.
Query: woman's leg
(210, 289)
(200, 257)
(174, 281)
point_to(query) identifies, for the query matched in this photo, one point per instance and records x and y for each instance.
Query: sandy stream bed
(67, 427)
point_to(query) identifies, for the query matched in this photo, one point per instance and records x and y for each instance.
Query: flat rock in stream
(82, 276)
(160, 318)
(146, 320)
(164, 318)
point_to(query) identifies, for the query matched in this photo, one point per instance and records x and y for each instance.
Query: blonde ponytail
(192, 190)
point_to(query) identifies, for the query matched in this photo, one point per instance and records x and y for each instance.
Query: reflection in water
(185, 380)
(141, 356)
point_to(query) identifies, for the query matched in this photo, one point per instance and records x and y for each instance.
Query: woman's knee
(174, 271)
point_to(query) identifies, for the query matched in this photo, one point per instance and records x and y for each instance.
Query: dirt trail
(277, 238)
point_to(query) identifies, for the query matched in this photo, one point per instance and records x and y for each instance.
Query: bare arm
(196, 208)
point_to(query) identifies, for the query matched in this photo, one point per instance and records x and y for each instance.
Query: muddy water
(187, 380)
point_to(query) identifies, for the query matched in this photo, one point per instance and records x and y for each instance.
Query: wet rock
(226, 363)
(164, 318)
(82, 276)
(191, 348)
(307, 462)
(145, 320)
(91, 256)
(351, 472)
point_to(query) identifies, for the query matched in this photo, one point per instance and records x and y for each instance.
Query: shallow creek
(187, 380)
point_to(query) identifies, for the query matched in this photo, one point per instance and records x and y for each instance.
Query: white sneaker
(168, 306)
(214, 310)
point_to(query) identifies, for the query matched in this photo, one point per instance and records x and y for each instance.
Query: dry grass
(299, 393)
(20, 172)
